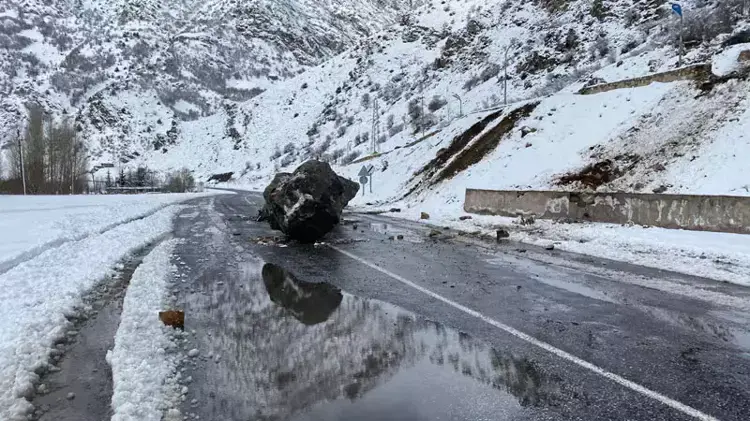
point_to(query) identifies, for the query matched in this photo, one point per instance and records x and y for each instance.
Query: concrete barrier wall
(691, 212)
(699, 72)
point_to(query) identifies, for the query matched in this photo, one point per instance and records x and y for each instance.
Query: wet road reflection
(307, 302)
(282, 349)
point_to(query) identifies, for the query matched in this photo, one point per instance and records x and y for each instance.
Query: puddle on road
(395, 232)
(284, 349)
(554, 278)
(722, 328)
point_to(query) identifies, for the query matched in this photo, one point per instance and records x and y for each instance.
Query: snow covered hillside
(420, 76)
(426, 95)
(130, 72)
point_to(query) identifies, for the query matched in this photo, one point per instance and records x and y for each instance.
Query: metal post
(423, 114)
(682, 45)
(23, 170)
(460, 105)
(505, 75)
(73, 168)
(421, 104)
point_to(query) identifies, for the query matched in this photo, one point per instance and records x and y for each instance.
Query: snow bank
(36, 296)
(144, 360)
(32, 224)
(713, 255)
(726, 62)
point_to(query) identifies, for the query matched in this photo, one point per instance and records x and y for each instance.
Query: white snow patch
(145, 359)
(726, 62)
(713, 255)
(37, 294)
(185, 107)
(32, 224)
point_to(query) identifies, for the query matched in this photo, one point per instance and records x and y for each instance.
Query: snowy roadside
(718, 256)
(33, 224)
(145, 358)
(40, 295)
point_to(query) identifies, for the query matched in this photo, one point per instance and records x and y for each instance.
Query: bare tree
(50, 155)
(35, 140)
(180, 181)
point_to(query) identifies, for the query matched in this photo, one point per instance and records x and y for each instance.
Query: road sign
(677, 8)
(365, 177)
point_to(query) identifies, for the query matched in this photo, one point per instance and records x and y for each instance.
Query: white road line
(685, 409)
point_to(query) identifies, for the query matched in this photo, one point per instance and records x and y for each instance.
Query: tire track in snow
(30, 254)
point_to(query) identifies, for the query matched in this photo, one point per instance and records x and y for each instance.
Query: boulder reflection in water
(310, 303)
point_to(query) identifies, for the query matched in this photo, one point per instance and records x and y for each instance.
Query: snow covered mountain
(445, 61)
(131, 71)
(176, 92)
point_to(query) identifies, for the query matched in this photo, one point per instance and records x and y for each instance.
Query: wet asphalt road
(303, 332)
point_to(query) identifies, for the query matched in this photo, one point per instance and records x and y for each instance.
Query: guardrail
(677, 211)
(697, 72)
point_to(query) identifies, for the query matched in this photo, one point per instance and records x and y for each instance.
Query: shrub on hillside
(600, 48)
(287, 160)
(276, 153)
(436, 103)
(492, 70)
(703, 27)
(337, 154)
(322, 148)
(350, 157)
(599, 10)
(395, 129)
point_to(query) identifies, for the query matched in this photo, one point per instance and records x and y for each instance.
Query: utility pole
(682, 43)
(20, 153)
(421, 99)
(505, 71)
(73, 167)
(422, 120)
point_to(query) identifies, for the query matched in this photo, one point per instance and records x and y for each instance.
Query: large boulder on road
(307, 204)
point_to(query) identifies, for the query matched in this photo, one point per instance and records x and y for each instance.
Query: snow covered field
(68, 245)
(30, 225)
